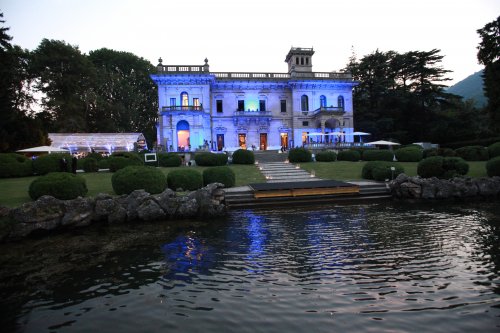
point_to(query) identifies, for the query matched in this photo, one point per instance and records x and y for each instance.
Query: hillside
(470, 88)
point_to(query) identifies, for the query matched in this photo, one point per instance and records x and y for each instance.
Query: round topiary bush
(296, 155)
(169, 160)
(409, 154)
(326, 156)
(430, 152)
(15, 165)
(442, 167)
(90, 164)
(219, 174)
(187, 179)
(131, 178)
(119, 161)
(210, 159)
(44, 164)
(243, 156)
(60, 185)
(494, 150)
(349, 155)
(493, 167)
(104, 163)
(378, 155)
(473, 153)
(381, 170)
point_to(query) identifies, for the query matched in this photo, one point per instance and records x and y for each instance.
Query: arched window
(341, 102)
(322, 101)
(304, 102)
(307, 60)
(184, 100)
(297, 60)
(302, 60)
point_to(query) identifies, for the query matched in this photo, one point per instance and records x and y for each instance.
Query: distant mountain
(470, 88)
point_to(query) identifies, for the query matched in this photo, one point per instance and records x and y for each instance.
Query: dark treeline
(104, 91)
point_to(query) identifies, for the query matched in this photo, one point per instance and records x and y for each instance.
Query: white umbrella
(360, 133)
(337, 133)
(382, 142)
(316, 134)
(43, 149)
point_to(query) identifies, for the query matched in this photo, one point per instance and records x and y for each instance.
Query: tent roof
(382, 142)
(43, 149)
(95, 140)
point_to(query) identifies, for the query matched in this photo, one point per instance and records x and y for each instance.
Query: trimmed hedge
(473, 153)
(44, 164)
(131, 178)
(169, 160)
(409, 154)
(187, 179)
(378, 155)
(89, 164)
(326, 156)
(349, 155)
(104, 163)
(243, 156)
(300, 154)
(442, 167)
(119, 161)
(493, 167)
(494, 150)
(381, 170)
(210, 159)
(445, 152)
(15, 165)
(219, 174)
(60, 185)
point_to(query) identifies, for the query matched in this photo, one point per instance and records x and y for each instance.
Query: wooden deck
(297, 189)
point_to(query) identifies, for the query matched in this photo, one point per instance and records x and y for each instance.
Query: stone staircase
(265, 156)
(281, 172)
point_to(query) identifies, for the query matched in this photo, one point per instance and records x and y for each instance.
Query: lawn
(15, 190)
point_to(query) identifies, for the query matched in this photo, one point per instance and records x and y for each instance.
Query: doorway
(284, 141)
(263, 141)
(242, 140)
(220, 142)
(182, 135)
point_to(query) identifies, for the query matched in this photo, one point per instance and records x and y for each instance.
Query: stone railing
(252, 113)
(182, 108)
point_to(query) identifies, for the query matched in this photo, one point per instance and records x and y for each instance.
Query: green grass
(15, 190)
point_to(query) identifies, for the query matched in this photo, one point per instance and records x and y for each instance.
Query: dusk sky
(256, 35)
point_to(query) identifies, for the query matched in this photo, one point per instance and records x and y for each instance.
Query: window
(305, 123)
(262, 105)
(184, 100)
(322, 101)
(219, 105)
(283, 105)
(307, 60)
(302, 60)
(196, 103)
(172, 101)
(304, 103)
(340, 102)
(241, 105)
(297, 60)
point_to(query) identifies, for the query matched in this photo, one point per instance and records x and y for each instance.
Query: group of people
(64, 165)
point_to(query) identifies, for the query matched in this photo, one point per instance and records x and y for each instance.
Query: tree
(488, 55)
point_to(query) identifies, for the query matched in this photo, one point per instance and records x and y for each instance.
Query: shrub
(187, 179)
(90, 164)
(211, 159)
(15, 165)
(493, 167)
(300, 154)
(381, 170)
(219, 174)
(442, 167)
(409, 154)
(349, 155)
(119, 161)
(169, 160)
(96, 156)
(445, 152)
(61, 185)
(326, 156)
(134, 177)
(378, 155)
(104, 163)
(494, 150)
(430, 152)
(51, 163)
(243, 156)
(473, 153)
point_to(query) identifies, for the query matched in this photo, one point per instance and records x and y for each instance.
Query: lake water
(394, 267)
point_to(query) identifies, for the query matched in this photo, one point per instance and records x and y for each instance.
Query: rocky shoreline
(406, 187)
(48, 213)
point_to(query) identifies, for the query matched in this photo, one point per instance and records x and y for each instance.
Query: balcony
(249, 113)
(330, 110)
(182, 108)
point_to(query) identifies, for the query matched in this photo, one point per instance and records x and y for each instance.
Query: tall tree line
(403, 97)
(104, 91)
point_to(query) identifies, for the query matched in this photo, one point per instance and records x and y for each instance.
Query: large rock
(132, 202)
(168, 202)
(488, 187)
(464, 187)
(410, 190)
(187, 208)
(109, 209)
(149, 210)
(209, 199)
(78, 212)
(43, 214)
(429, 188)
(444, 189)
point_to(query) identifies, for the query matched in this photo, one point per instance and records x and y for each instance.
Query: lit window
(304, 102)
(184, 99)
(196, 103)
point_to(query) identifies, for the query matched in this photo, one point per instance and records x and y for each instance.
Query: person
(74, 163)
(63, 165)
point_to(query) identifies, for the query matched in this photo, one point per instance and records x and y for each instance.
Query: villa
(225, 111)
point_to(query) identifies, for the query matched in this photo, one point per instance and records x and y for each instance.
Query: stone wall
(48, 213)
(434, 188)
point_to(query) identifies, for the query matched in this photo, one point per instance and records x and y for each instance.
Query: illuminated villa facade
(199, 109)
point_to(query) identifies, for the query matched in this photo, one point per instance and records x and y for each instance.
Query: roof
(97, 141)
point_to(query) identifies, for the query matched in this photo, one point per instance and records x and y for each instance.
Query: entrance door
(220, 142)
(242, 140)
(263, 141)
(182, 135)
(284, 140)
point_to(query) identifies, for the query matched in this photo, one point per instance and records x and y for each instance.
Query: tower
(299, 59)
